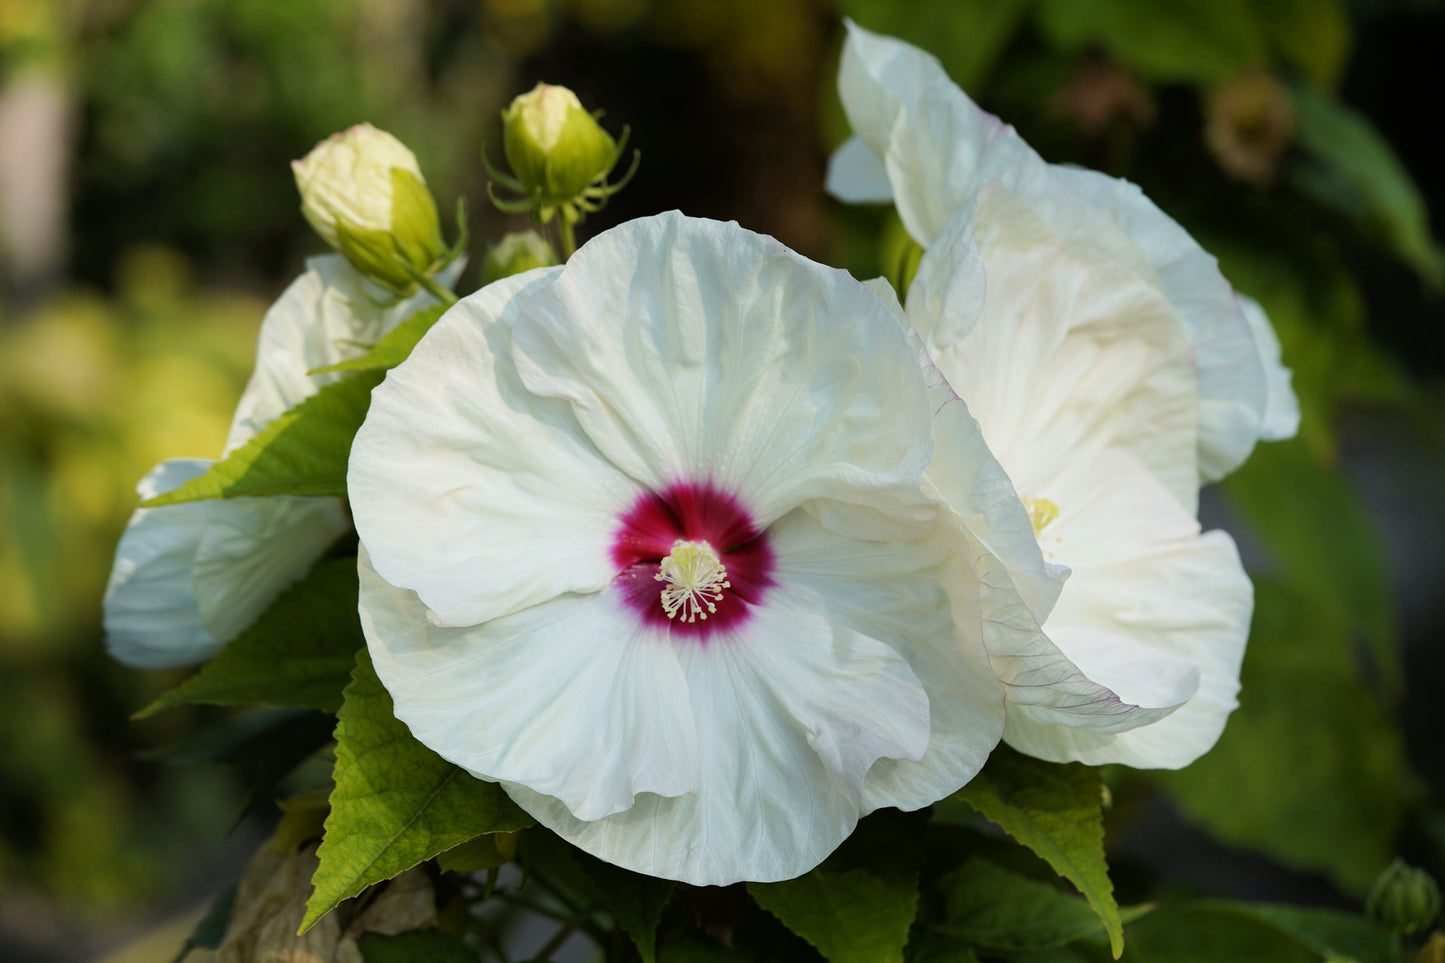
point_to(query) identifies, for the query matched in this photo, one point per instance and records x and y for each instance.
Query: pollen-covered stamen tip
(1041, 513)
(695, 579)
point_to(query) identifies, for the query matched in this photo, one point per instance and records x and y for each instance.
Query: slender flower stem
(435, 289)
(569, 240)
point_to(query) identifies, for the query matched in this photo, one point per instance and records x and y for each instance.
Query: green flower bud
(556, 149)
(1404, 899)
(362, 191)
(516, 253)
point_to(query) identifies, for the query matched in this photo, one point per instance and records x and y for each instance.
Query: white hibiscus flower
(644, 539)
(1079, 373)
(921, 142)
(187, 578)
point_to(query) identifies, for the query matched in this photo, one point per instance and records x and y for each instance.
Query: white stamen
(695, 579)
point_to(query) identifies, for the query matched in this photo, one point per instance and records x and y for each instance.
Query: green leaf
(396, 803)
(1311, 769)
(1283, 492)
(1201, 41)
(1222, 931)
(992, 908)
(1329, 933)
(303, 452)
(928, 947)
(1189, 934)
(421, 946)
(1056, 811)
(850, 916)
(1313, 36)
(1078, 953)
(211, 929)
(858, 906)
(484, 852)
(298, 653)
(1353, 170)
(635, 900)
(303, 818)
(1318, 312)
(1306, 708)
(262, 747)
(396, 346)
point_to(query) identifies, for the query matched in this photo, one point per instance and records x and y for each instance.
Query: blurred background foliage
(147, 216)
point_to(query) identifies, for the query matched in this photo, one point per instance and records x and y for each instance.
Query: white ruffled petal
(1059, 680)
(695, 350)
(1045, 684)
(574, 698)
(1233, 387)
(1070, 354)
(937, 146)
(190, 577)
(472, 491)
(895, 593)
(151, 621)
(857, 175)
(950, 288)
(327, 315)
(940, 149)
(253, 548)
(1281, 410)
(980, 497)
(791, 711)
(1146, 588)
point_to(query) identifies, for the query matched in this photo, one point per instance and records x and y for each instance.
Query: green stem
(569, 240)
(433, 288)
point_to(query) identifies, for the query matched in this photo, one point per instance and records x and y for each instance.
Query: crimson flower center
(691, 559)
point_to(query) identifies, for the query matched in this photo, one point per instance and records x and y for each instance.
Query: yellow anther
(695, 579)
(1041, 512)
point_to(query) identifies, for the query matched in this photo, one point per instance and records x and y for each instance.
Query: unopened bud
(555, 147)
(1404, 899)
(364, 194)
(516, 253)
